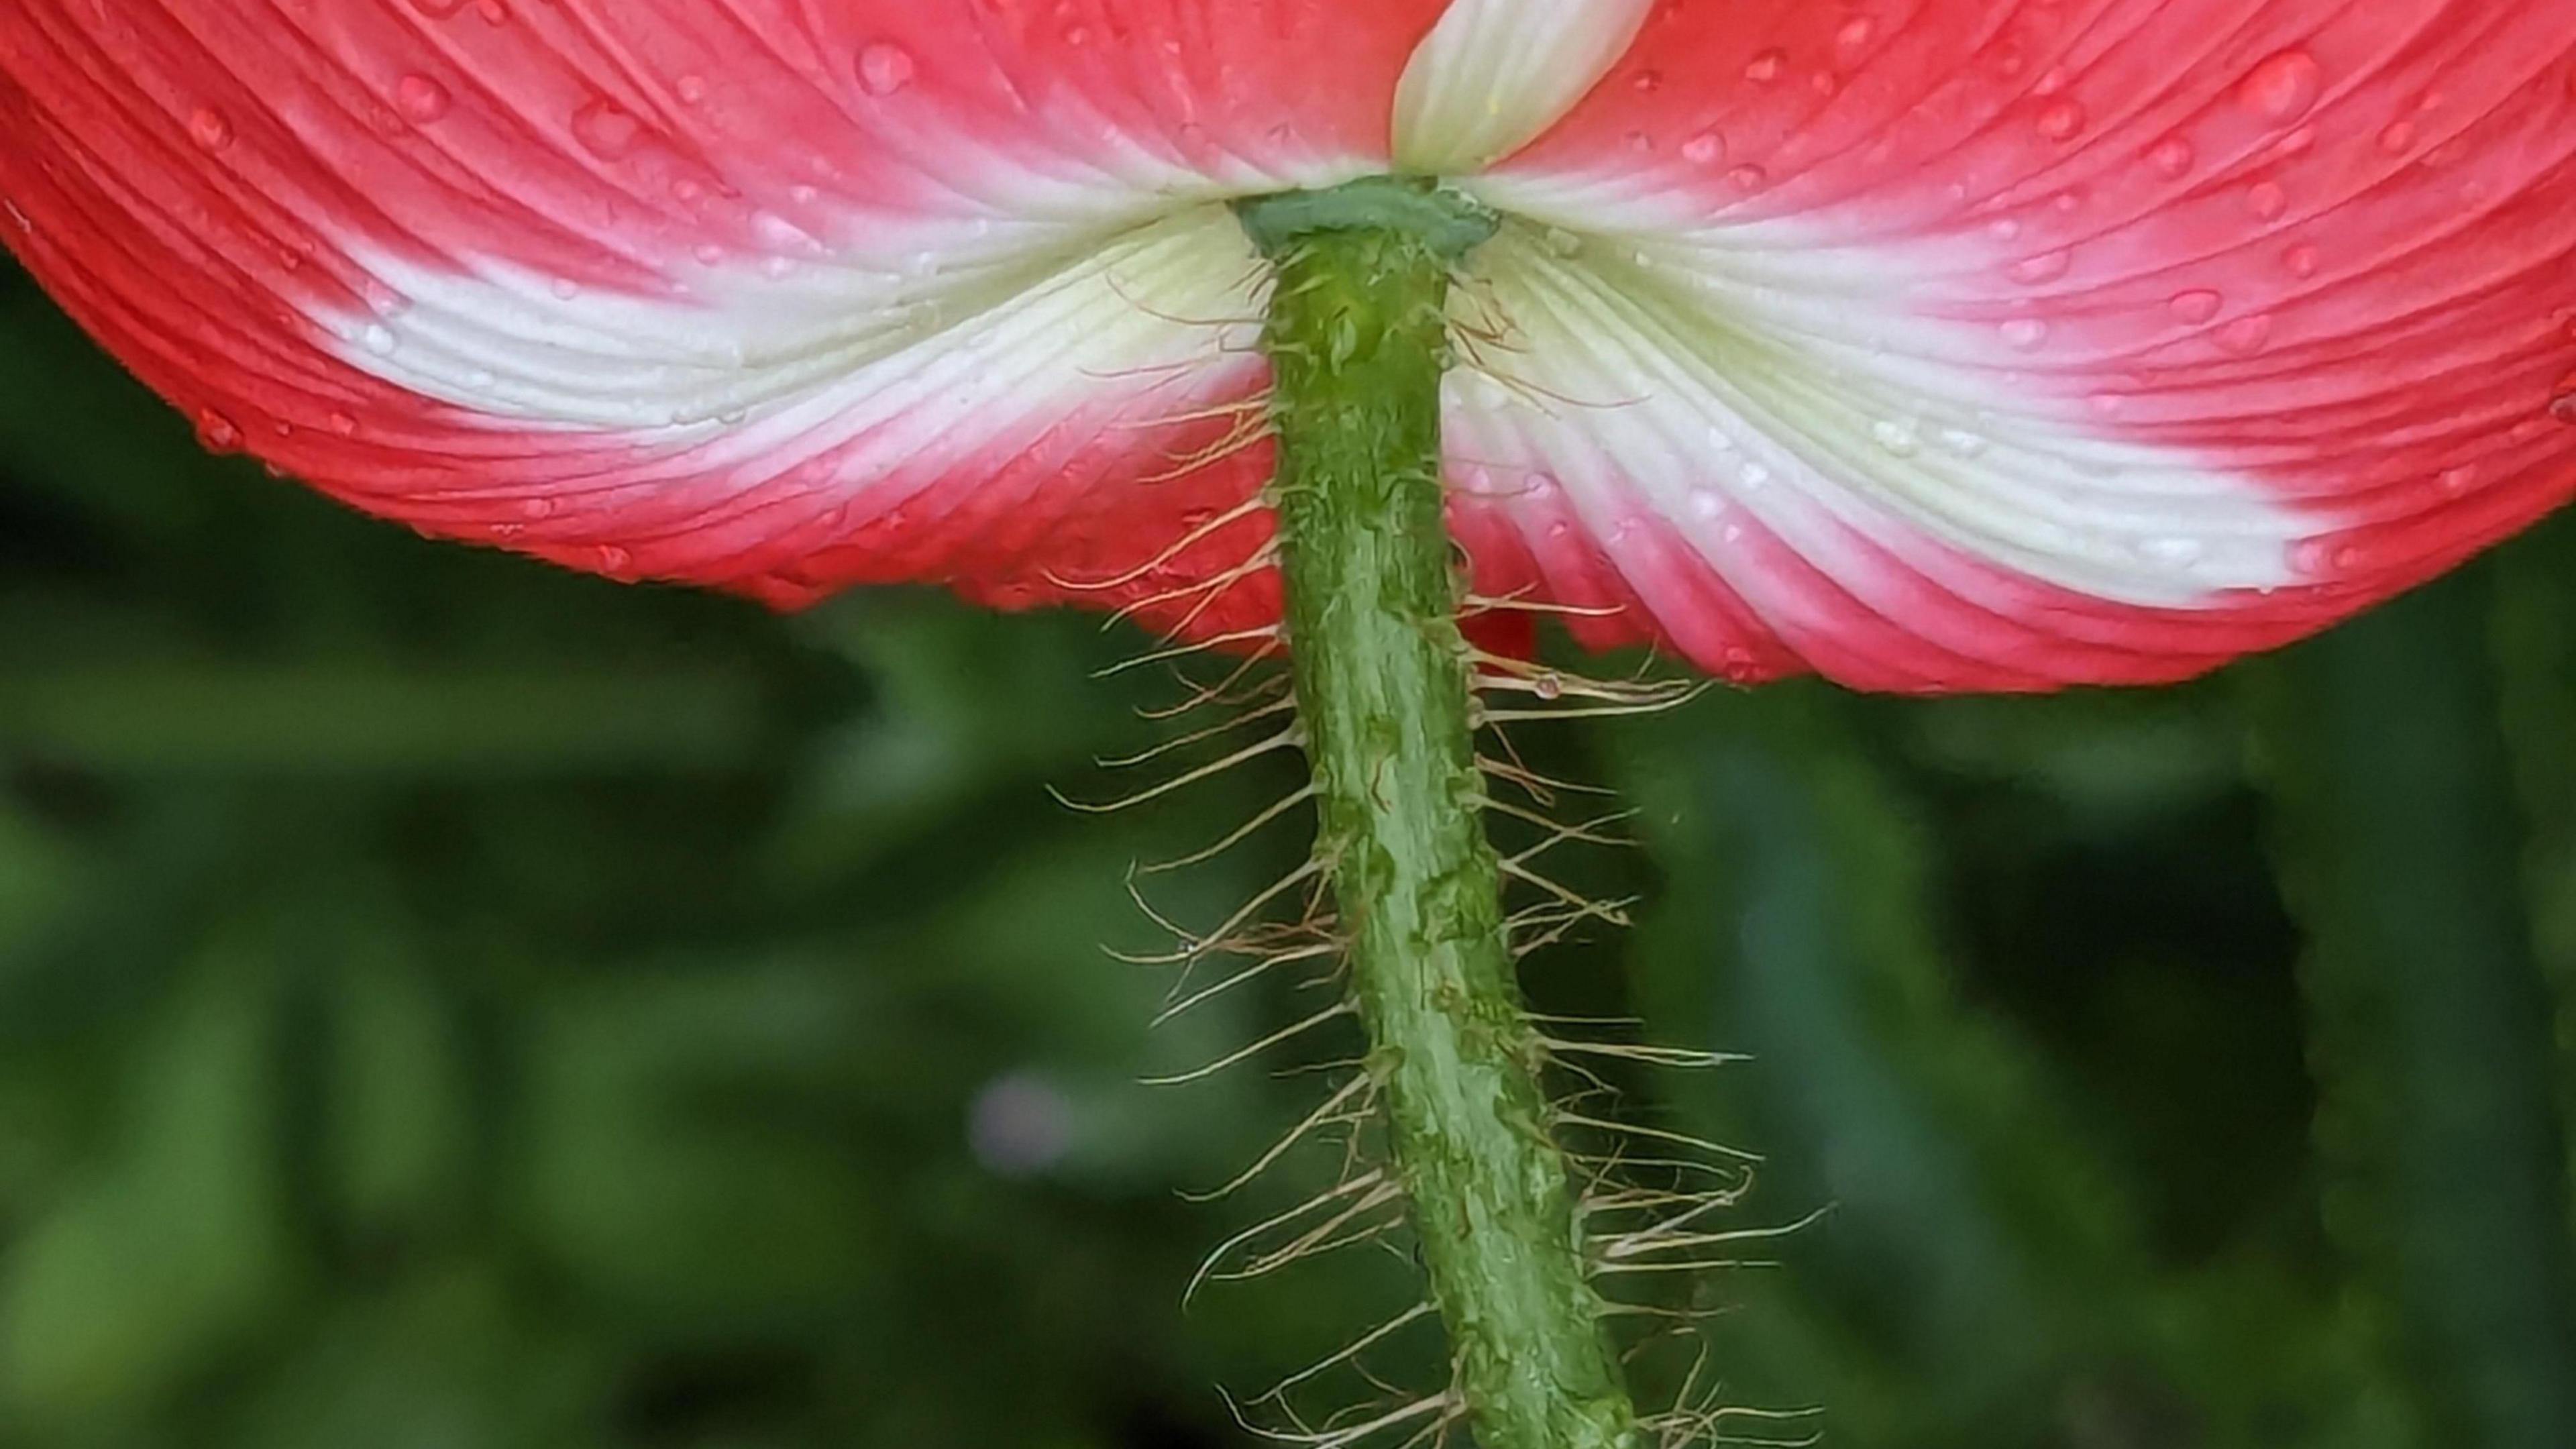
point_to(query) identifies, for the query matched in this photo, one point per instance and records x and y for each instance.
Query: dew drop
(1855, 37)
(536, 508)
(421, 99)
(2267, 200)
(1705, 149)
(614, 560)
(1964, 443)
(607, 130)
(210, 129)
(218, 433)
(2562, 400)
(342, 425)
(1753, 476)
(2173, 156)
(691, 89)
(2283, 87)
(1708, 504)
(2301, 260)
(2025, 333)
(1550, 685)
(1748, 178)
(2247, 334)
(2398, 138)
(2045, 267)
(885, 68)
(1766, 67)
(2456, 480)
(1895, 437)
(2061, 120)
(1647, 82)
(380, 340)
(2196, 306)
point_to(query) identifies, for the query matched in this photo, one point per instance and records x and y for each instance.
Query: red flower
(1929, 343)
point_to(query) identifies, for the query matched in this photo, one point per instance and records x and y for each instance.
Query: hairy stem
(1358, 334)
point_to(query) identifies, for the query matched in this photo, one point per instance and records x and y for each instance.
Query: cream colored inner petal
(763, 352)
(1720, 402)
(1494, 75)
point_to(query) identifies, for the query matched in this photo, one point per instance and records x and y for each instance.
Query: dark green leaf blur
(446, 1003)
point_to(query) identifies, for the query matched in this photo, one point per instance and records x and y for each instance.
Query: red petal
(446, 259)
(2325, 249)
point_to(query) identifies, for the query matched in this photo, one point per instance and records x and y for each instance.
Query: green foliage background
(447, 1002)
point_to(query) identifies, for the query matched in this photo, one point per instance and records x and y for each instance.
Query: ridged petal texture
(1933, 344)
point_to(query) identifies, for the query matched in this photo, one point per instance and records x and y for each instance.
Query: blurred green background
(449, 1002)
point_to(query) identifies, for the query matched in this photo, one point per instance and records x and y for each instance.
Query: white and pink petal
(2255, 312)
(591, 277)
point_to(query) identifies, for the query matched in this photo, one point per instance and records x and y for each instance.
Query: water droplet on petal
(2283, 87)
(1895, 437)
(1965, 443)
(2456, 480)
(1708, 503)
(210, 129)
(2247, 334)
(2301, 261)
(2045, 267)
(2173, 156)
(2061, 120)
(607, 130)
(536, 508)
(613, 560)
(342, 424)
(691, 89)
(218, 433)
(885, 68)
(2398, 138)
(380, 340)
(2025, 333)
(2562, 399)
(2196, 306)
(1766, 67)
(2267, 200)
(421, 99)
(1705, 149)
(1550, 685)
(1748, 178)
(1855, 37)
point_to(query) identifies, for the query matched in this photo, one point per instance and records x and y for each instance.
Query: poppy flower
(1930, 344)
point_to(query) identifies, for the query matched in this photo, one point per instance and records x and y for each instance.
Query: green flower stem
(1358, 333)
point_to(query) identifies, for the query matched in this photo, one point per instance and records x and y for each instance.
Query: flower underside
(1933, 344)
